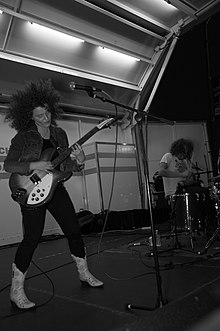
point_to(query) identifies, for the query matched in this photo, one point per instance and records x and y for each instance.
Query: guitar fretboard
(59, 159)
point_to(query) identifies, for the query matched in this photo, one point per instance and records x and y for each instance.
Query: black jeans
(62, 209)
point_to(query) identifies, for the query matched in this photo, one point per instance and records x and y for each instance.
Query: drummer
(176, 166)
(178, 178)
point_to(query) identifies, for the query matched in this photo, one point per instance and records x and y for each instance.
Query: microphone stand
(140, 117)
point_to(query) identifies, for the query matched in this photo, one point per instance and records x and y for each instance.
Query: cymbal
(215, 179)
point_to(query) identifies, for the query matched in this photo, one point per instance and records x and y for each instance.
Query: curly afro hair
(182, 146)
(40, 93)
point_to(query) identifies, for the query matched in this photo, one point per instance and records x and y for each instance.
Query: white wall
(111, 177)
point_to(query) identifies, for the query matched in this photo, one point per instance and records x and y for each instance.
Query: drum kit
(197, 208)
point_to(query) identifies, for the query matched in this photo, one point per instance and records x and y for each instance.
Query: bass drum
(190, 211)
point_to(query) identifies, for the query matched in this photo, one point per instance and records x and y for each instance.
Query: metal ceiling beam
(160, 75)
(138, 14)
(123, 20)
(209, 9)
(176, 31)
(189, 10)
(67, 71)
(194, 13)
(215, 4)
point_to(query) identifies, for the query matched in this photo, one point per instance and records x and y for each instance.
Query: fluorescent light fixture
(167, 4)
(118, 55)
(54, 33)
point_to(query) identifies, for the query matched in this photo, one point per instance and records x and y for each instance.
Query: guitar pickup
(35, 179)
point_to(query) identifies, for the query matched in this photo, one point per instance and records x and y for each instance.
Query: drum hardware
(214, 179)
(215, 196)
(211, 240)
(203, 172)
(196, 168)
(214, 192)
(188, 214)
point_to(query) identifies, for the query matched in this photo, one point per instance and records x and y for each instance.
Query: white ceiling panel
(145, 29)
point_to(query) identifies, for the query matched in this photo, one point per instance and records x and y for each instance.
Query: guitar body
(37, 188)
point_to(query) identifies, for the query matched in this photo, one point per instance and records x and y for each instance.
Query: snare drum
(189, 209)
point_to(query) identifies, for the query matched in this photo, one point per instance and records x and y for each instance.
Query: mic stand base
(160, 301)
(159, 304)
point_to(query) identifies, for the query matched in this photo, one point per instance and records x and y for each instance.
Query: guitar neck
(59, 159)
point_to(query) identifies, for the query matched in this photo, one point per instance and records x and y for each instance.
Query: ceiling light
(54, 33)
(170, 4)
(118, 54)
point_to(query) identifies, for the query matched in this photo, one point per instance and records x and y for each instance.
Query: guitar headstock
(107, 123)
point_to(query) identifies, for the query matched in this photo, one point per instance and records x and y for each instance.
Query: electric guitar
(38, 187)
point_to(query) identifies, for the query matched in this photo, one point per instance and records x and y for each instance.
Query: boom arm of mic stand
(142, 113)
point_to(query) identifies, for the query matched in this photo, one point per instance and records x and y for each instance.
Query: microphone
(74, 86)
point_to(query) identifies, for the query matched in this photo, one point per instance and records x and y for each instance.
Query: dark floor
(184, 289)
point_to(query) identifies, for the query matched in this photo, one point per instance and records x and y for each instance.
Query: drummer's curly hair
(40, 93)
(182, 146)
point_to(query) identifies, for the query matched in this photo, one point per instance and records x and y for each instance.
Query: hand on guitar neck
(77, 153)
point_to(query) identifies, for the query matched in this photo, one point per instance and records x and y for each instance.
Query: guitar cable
(108, 209)
(112, 186)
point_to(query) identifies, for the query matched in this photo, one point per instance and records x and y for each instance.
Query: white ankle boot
(85, 276)
(17, 294)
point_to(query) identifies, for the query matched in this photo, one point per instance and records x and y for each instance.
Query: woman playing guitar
(33, 114)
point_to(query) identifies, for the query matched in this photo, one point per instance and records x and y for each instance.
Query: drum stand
(216, 233)
(173, 231)
(177, 244)
(174, 228)
(212, 239)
